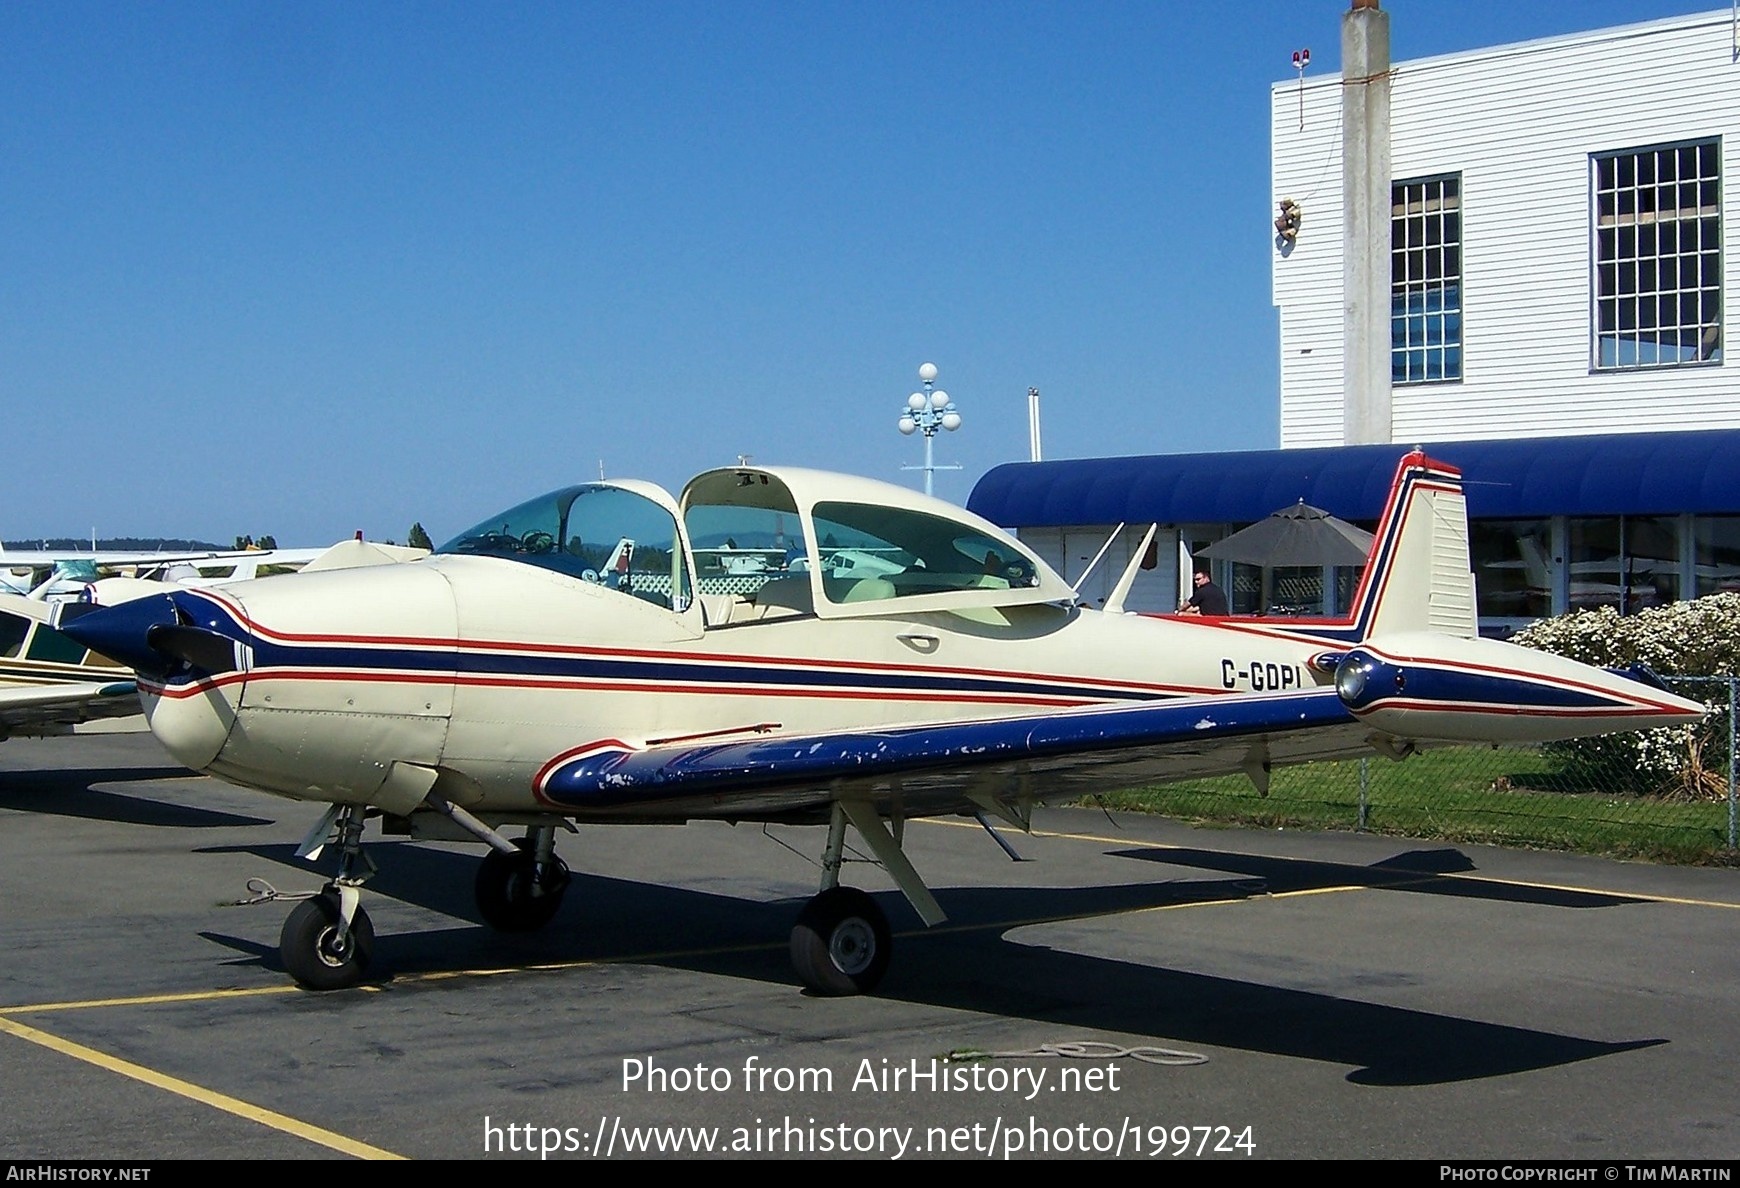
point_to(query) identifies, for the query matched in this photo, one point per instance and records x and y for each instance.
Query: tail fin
(620, 557)
(1418, 577)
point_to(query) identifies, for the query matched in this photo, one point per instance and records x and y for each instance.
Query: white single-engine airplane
(906, 659)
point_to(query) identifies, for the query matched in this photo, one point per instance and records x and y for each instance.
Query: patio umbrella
(1297, 535)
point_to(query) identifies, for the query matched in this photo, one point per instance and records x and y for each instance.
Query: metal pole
(1364, 785)
(1033, 450)
(1731, 804)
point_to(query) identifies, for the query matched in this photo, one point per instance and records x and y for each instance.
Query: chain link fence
(1666, 795)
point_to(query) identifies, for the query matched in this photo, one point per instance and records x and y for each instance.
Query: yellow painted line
(650, 958)
(1222, 901)
(644, 958)
(439, 975)
(1644, 895)
(146, 1000)
(1316, 891)
(1424, 876)
(230, 1105)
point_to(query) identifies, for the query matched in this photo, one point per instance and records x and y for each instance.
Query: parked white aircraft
(55, 574)
(49, 683)
(518, 679)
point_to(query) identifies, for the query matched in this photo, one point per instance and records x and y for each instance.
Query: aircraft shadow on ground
(73, 793)
(1423, 871)
(972, 964)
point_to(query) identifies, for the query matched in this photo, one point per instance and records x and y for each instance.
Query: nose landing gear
(320, 948)
(327, 941)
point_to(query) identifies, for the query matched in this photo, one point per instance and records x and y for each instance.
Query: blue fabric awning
(1517, 478)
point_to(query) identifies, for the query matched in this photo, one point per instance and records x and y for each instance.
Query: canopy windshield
(596, 532)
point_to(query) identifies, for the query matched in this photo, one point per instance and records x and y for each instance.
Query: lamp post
(925, 413)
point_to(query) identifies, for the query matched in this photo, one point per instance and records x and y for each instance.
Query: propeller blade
(197, 646)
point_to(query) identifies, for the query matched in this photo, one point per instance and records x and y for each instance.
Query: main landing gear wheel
(841, 944)
(511, 897)
(319, 951)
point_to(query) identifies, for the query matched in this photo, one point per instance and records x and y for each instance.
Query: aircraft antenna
(1097, 556)
(1115, 604)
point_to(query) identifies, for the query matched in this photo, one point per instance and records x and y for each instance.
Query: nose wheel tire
(841, 944)
(509, 895)
(319, 951)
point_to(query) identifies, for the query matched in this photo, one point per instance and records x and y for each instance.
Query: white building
(1558, 231)
(1551, 314)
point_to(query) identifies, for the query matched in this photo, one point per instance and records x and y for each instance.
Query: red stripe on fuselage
(582, 685)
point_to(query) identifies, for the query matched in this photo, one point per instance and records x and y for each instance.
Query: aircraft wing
(35, 710)
(951, 766)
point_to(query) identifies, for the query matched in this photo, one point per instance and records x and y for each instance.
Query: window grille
(1426, 280)
(1658, 256)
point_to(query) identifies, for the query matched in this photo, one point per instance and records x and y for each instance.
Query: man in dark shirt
(1209, 598)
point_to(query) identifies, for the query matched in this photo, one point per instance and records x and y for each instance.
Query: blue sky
(309, 268)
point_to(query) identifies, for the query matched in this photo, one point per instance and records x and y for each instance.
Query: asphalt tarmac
(1138, 989)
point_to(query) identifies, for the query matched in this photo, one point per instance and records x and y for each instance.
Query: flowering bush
(1700, 638)
(1697, 638)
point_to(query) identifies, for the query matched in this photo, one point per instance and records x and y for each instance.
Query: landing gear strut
(327, 941)
(521, 892)
(842, 943)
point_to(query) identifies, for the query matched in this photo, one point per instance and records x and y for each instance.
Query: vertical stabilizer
(1419, 577)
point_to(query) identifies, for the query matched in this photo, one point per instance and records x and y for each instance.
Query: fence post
(1731, 805)
(1364, 805)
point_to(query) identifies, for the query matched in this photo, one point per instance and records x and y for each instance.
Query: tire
(504, 890)
(841, 943)
(318, 953)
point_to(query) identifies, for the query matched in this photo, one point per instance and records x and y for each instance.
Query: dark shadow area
(968, 964)
(1419, 871)
(253, 952)
(73, 793)
(1439, 861)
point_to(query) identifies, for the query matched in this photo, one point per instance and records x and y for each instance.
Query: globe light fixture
(925, 413)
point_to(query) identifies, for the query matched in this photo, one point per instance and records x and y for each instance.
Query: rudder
(1419, 577)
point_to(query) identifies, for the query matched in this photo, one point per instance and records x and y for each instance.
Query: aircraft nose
(119, 632)
(162, 639)
(156, 636)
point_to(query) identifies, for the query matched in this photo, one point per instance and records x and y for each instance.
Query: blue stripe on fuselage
(507, 665)
(1451, 688)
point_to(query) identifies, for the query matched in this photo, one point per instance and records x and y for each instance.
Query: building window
(1658, 256)
(1626, 562)
(1716, 544)
(1426, 280)
(1513, 568)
